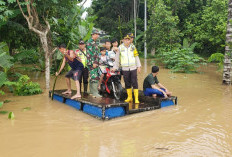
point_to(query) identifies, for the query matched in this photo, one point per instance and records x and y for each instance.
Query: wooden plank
(86, 98)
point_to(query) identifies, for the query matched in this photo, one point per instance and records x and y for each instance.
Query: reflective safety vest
(135, 51)
(83, 58)
(127, 55)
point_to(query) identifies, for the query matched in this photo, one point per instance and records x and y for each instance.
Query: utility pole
(145, 28)
(135, 17)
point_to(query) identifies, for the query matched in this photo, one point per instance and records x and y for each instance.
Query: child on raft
(103, 63)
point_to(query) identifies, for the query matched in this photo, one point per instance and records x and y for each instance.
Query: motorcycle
(111, 84)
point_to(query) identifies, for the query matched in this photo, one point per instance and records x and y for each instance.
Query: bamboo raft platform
(108, 108)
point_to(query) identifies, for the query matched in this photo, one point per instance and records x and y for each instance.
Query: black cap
(155, 69)
(102, 48)
(81, 42)
(131, 35)
(127, 37)
(62, 46)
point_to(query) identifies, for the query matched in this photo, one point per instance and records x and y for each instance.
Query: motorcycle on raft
(111, 85)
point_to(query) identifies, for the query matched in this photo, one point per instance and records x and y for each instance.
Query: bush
(24, 87)
(25, 56)
(217, 57)
(181, 60)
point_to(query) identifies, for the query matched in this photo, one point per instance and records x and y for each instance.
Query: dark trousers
(85, 76)
(130, 79)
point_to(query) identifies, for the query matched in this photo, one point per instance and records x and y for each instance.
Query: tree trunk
(41, 30)
(227, 60)
(44, 42)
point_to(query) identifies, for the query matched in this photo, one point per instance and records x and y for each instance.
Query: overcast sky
(86, 5)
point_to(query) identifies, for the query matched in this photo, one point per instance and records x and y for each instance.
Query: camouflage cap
(81, 42)
(95, 31)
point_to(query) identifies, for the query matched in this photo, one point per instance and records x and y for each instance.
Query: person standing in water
(74, 73)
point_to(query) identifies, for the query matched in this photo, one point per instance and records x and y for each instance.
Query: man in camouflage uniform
(93, 63)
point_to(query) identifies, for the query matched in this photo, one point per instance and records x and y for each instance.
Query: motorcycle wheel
(118, 90)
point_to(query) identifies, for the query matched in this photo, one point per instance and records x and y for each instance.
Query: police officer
(130, 63)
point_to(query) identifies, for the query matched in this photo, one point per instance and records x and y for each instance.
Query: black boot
(85, 88)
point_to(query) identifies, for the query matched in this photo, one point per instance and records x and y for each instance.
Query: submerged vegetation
(22, 85)
(218, 58)
(181, 60)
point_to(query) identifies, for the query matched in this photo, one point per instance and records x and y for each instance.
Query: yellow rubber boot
(136, 94)
(129, 95)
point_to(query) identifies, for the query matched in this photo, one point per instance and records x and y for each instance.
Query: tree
(228, 50)
(6, 13)
(41, 30)
(64, 18)
(117, 17)
(162, 27)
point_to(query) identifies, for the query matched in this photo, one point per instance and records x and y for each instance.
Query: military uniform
(93, 58)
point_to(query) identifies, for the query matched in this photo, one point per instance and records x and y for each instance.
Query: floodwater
(200, 125)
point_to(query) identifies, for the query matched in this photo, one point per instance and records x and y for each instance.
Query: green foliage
(26, 109)
(7, 101)
(181, 60)
(25, 56)
(208, 27)
(217, 57)
(3, 112)
(5, 64)
(5, 58)
(4, 47)
(25, 87)
(162, 29)
(116, 19)
(11, 116)
(5, 61)
(187, 45)
(1, 92)
(5, 12)
(1, 104)
(69, 26)
(3, 78)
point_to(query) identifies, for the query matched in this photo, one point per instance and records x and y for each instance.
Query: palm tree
(228, 49)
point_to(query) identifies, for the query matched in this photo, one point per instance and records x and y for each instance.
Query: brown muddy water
(200, 125)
